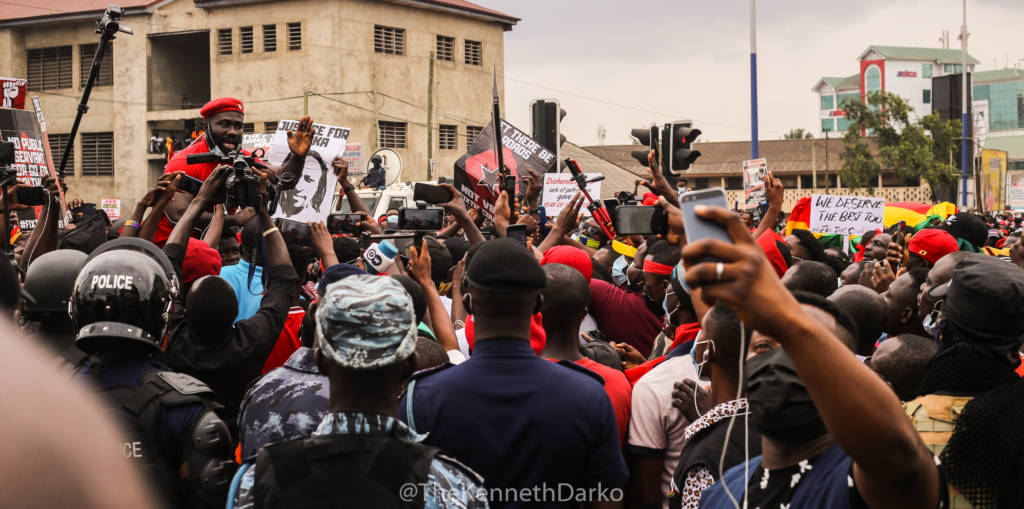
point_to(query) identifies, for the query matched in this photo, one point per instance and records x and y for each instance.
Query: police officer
(120, 306)
(50, 280)
(376, 177)
(519, 420)
(362, 455)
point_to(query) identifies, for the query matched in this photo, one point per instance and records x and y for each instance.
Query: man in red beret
(223, 133)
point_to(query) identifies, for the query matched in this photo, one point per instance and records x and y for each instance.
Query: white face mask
(699, 366)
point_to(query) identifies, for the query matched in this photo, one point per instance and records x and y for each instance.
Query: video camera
(242, 188)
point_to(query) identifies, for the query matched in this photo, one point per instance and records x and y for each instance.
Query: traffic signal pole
(965, 110)
(753, 81)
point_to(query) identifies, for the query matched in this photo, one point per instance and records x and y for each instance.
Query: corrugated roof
(726, 158)
(28, 9)
(615, 177)
(40, 10)
(1012, 145)
(840, 83)
(950, 56)
(997, 75)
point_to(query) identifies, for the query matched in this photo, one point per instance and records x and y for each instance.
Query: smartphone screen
(190, 185)
(699, 228)
(656, 145)
(31, 196)
(431, 194)
(518, 232)
(510, 187)
(428, 219)
(634, 219)
(294, 232)
(338, 224)
(86, 211)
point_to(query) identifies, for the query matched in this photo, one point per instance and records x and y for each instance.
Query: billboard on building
(991, 176)
(1015, 190)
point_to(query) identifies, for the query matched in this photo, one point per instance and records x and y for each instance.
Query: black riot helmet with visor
(123, 296)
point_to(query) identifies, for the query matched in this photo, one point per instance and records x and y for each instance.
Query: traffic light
(545, 126)
(646, 136)
(680, 152)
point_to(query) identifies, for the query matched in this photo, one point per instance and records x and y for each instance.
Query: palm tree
(797, 134)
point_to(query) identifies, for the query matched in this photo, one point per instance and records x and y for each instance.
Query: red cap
(221, 105)
(767, 241)
(571, 256)
(932, 244)
(650, 199)
(200, 260)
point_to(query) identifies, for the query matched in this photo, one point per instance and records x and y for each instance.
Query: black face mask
(653, 305)
(780, 406)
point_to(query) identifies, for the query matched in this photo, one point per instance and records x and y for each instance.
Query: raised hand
(301, 139)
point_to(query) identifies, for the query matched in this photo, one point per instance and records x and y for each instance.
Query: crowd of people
(239, 370)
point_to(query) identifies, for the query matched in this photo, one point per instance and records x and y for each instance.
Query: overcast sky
(683, 59)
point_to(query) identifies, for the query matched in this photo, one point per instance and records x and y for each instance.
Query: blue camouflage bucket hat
(366, 322)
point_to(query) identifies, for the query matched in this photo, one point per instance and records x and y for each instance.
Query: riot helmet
(122, 298)
(50, 279)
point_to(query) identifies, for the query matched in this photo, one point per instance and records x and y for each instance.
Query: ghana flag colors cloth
(917, 215)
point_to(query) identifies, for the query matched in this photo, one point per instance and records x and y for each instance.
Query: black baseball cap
(984, 298)
(505, 266)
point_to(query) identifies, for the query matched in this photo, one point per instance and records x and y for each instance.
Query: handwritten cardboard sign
(846, 215)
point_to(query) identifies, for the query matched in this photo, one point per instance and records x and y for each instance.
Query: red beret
(221, 105)
(571, 256)
(932, 244)
(200, 260)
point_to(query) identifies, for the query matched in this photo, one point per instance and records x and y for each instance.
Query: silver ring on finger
(718, 271)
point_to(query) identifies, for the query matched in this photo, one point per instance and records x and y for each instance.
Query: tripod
(107, 26)
(597, 209)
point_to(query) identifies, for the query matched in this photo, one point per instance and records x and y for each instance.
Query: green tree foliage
(904, 147)
(797, 133)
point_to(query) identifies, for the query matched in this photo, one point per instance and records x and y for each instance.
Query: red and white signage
(907, 74)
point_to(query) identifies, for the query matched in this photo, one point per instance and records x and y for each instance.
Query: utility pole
(964, 155)
(814, 164)
(753, 81)
(826, 164)
(305, 102)
(376, 118)
(430, 116)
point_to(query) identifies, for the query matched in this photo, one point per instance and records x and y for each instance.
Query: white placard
(355, 154)
(846, 215)
(754, 173)
(112, 206)
(311, 198)
(559, 190)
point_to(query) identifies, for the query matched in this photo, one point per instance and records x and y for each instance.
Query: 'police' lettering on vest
(112, 281)
(131, 449)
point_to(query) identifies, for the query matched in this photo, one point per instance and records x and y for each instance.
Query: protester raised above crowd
(568, 371)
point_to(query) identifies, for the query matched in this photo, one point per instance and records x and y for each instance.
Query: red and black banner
(476, 172)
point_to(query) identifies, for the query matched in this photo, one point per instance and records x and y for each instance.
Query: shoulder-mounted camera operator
(223, 119)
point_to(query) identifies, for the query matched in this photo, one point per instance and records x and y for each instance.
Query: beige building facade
(361, 61)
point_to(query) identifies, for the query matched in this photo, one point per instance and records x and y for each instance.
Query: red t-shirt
(288, 342)
(200, 171)
(619, 391)
(623, 317)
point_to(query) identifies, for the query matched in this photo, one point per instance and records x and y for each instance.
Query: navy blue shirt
(174, 423)
(520, 421)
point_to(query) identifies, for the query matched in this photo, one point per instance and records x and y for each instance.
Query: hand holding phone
(190, 185)
(348, 224)
(510, 186)
(294, 232)
(698, 228)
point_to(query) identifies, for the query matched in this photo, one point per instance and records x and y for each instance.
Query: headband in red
(657, 268)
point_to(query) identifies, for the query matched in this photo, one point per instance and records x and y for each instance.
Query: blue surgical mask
(619, 271)
(392, 219)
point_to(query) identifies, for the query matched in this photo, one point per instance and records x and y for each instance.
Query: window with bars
(248, 127)
(270, 127)
(105, 78)
(57, 144)
(472, 131)
(49, 68)
(245, 39)
(97, 154)
(224, 41)
(294, 36)
(392, 134)
(389, 40)
(447, 137)
(269, 38)
(446, 48)
(474, 55)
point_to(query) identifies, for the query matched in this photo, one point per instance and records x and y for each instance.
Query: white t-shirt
(655, 425)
